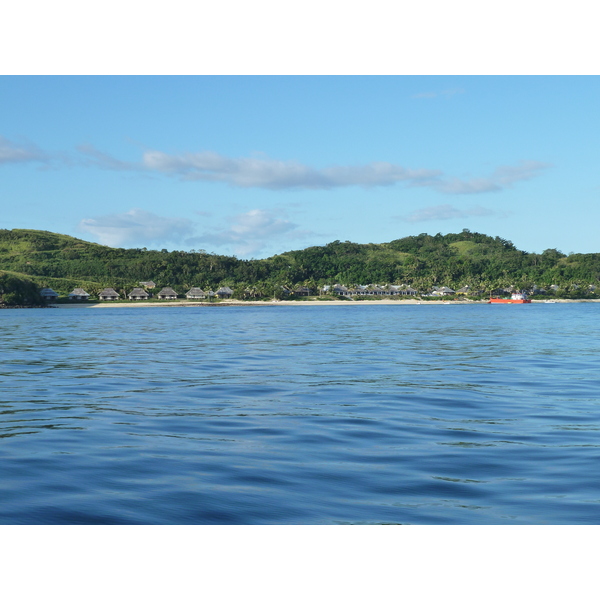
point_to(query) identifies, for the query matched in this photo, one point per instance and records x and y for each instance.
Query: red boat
(515, 298)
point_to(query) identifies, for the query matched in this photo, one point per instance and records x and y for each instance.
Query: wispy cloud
(502, 178)
(136, 227)
(249, 232)
(259, 172)
(441, 94)
(444, 212)
(11, 152)
(266, 173)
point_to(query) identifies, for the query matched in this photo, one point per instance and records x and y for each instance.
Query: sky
(257, 165)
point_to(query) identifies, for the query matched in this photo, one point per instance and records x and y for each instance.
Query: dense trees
(17, 290)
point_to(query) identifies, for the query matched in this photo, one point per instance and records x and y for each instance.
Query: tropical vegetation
(31, 259)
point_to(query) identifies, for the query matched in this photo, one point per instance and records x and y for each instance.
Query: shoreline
(186, 303)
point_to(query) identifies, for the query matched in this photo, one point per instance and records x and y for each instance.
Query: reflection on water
(350, 414)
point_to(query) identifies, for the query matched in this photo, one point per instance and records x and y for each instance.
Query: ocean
(359, 414)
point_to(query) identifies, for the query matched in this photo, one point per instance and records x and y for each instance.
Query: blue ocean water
(360, 414)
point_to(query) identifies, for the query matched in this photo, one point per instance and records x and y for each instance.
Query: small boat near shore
(515, 298)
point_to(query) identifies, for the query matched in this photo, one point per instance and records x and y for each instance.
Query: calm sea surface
(301, 415)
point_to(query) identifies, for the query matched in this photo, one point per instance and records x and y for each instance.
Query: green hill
(467, 258)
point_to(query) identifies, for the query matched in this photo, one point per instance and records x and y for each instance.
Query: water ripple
(303, 415)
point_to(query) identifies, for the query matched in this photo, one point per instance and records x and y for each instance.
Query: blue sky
(257, 165)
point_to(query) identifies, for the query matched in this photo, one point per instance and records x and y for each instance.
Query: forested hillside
(474, 259)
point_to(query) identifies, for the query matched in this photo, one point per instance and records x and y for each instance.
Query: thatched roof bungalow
(48, 294)
(225, 292)
(108, 294)
(138, 294)
(78, 295)
(195, 293)
(167, 293)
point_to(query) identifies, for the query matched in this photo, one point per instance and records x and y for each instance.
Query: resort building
(406, 290)
(78, 295)
(371, 290)
(224, 292)
(167, 293)
(442, 291)
(340, 290)
(108, 294)
(195, 293)
(138, 294)
(48, 294)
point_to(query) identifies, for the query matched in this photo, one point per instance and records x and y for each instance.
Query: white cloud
(443, 212)
(249, 232)
(15, 153)
(136, 227)
(277, 174)
(266, 173)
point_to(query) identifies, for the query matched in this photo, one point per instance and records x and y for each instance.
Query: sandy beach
(186, 303)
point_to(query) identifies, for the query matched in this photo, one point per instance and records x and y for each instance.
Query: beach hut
(195, 293)
(138, 294)
(108, 294)
(48, 294)
(167, 293)
(78, 295)
(224, 292)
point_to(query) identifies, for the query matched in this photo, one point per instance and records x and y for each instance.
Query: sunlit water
(304, 414)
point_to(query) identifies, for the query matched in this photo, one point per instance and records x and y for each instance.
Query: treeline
(467, 258)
